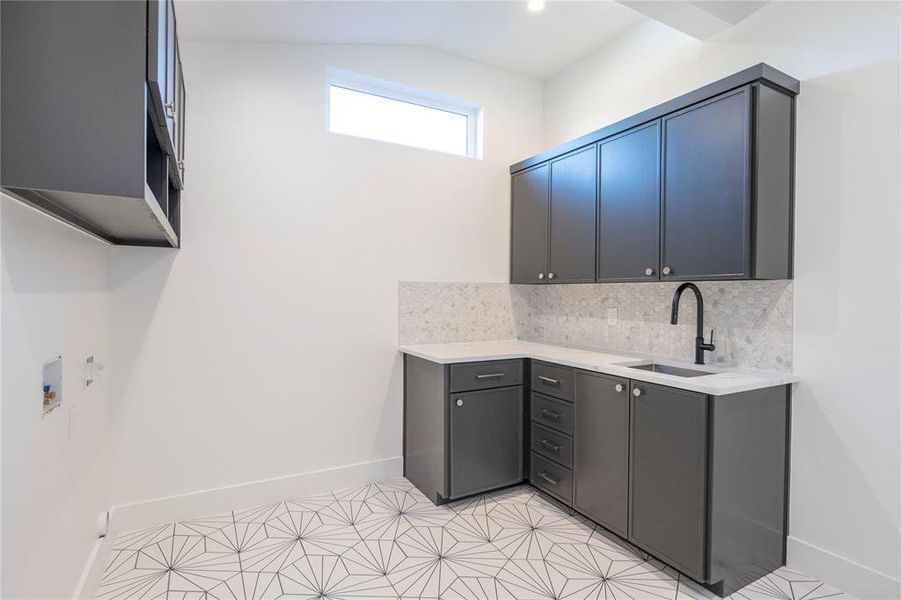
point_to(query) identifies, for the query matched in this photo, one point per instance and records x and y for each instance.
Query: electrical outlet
(611, 316)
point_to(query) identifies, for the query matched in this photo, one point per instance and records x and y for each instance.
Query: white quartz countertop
(721, 382)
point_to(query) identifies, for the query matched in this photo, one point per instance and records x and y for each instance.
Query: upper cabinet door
(529, 231)
(629, 206)
(573, 217)
(707, 191)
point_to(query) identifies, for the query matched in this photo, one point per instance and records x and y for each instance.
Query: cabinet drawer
(553, 380)
(552, 478)
(554, 445)
(484, 375)
(557, 414)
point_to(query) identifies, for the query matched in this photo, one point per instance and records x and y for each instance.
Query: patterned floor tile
(387, 540)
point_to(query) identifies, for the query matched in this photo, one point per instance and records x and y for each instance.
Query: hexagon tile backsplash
(753, 319)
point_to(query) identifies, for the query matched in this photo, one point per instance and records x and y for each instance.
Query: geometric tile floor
(386, 540)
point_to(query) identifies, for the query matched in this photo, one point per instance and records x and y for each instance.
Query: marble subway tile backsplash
(753, 319)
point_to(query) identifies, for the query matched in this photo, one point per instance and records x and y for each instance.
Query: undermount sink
(670, 370)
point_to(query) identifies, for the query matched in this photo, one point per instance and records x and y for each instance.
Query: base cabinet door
(486, 440)
(601, 450)
(667, 512)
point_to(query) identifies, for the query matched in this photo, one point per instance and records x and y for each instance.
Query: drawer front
(552, 478)
(553, 413)
(552, 444)
(484, 375)
(553, 380)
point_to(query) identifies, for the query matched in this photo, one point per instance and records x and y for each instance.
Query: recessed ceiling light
(535, 5)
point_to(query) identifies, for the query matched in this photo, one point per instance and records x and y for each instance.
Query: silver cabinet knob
(541, 276)
(649, 271)
(459, 401)
(550, 275)
(667, 270)
(618, 387)
(636, 392)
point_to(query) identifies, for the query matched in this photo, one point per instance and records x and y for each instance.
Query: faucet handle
(710, 346)
(712, 329)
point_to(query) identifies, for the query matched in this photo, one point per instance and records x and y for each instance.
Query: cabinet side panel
(425, 394)
(747, 486)
(773, 185)
(73, 115)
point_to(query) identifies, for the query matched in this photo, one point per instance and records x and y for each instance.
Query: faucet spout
(700, 345)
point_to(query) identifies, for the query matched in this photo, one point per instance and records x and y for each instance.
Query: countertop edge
(720, 388)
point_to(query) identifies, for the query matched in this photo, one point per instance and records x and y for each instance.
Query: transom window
(365, 107)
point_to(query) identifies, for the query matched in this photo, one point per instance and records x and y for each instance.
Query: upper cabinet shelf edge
(759, 73)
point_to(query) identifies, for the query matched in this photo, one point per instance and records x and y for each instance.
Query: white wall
(266, 346)
(55, 300)
(845, 444)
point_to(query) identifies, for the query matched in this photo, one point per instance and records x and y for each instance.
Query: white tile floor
(386, 540)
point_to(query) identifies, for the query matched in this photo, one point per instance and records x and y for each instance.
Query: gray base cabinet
(463, 427)
(668, 499)
(697, 481)
(486, 440)
(601, 457)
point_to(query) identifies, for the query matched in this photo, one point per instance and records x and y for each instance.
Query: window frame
(364, 84)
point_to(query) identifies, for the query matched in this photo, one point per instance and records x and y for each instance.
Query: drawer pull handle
(549, 414)
(550, 446)
(548, 478)
(548, 380)
(489, 376)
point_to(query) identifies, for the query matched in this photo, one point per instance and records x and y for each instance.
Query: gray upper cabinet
(699, 187)
(529, 232)
(573, 216)
(707, 191)
(668, 495)
(554, 221)
(601, 453)
(83, 115)
(629, 206)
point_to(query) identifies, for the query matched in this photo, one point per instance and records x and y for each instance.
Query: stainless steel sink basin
(670, 370)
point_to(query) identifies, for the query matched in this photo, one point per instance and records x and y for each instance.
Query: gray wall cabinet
(629, 206)
(80, 127)
(601, 456)
(700, 187)
(529, 234)
(573, 217)
(464, 427)
(553, 232)
(706, 189)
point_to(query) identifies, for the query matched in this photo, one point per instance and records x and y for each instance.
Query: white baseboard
(842, 573)
(86, 583)
(138, 515)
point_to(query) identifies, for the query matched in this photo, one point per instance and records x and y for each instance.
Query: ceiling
(503, 34)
